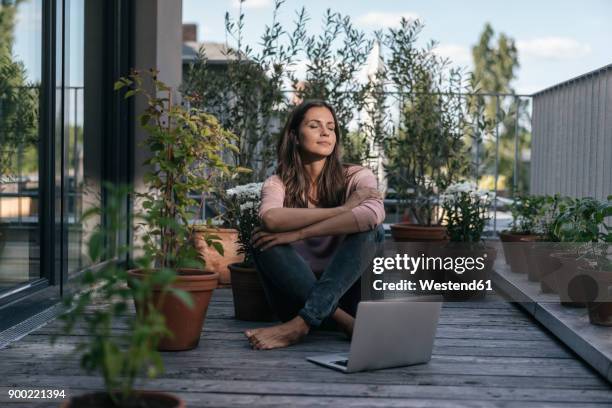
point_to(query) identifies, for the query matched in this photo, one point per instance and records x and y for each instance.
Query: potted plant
(541, 266)
(223, 227)
(184, 146)
(218, 261)
(596, 276)
(467, 212)
(581, 227)
(578, 227)
(250, 302)
(524, 209)
(427, 152)
(102, 300)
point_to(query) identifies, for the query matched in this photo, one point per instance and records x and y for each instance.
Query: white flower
(454, 190)
(247, 206)
(246, 191)
(464, 187)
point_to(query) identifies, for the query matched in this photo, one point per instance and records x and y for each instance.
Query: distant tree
(18, 99)
(495, 64)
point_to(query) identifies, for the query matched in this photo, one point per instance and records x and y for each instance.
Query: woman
(321, 219)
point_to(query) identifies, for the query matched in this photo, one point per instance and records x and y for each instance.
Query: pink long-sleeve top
(318, 251)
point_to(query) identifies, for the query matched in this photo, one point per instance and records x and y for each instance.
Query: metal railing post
(515, 174)
(496, 162)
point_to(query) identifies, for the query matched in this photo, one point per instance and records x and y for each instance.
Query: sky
(556, 40)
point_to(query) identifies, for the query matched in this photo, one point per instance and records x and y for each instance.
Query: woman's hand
(263, 240)
(360, 195)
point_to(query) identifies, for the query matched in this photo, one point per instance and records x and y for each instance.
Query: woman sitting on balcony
(322, 225)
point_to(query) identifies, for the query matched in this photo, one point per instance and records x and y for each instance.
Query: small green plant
(103, 300)
(546, 218)
(584, 220)
(467, 212)
(525, 210)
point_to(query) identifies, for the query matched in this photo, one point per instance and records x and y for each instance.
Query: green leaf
(144, 119)
(96, 246)
(219, 247)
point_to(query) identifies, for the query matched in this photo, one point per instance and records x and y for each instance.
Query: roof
(217, 53)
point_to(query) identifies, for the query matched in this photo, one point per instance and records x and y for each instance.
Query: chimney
(190, 32)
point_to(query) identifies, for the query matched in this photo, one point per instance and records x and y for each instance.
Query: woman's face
(317, 134)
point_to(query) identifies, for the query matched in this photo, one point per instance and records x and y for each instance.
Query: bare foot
(282, 335)
(345, 321)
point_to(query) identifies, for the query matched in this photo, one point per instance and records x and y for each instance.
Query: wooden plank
(592, 343)
(466, 347)
(484, 356)
(274, 362)
(197, 400)
(294, 388)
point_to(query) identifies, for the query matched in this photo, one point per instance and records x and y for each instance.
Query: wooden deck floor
(486, 354)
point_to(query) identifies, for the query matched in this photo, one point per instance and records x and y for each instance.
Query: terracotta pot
(214, 260)
(462, 251)
(142, 399)
(415, 241)
(570, 294)
(250, 302)
(600, 313)
(513, 249)
(418, 233)
(547, 267)
(185, 323)
(533, 273)
(598, 298)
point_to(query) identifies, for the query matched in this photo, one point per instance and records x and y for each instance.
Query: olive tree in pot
(427, 153)
(467, 212)
(102, 301)
(250, 302)
(184, 146)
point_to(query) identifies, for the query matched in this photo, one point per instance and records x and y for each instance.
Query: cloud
(554, 48)
(458, 54)
(252, 4)
(382, 19)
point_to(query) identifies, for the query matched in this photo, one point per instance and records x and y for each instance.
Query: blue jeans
(292, 288)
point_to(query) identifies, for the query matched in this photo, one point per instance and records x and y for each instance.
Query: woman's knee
(269, 254)
(375, 235)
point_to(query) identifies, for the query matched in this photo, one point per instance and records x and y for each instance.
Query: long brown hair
(331, 183)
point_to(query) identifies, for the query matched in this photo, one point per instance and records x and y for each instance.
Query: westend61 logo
(406, 263)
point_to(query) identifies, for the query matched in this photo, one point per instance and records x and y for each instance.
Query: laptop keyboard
(342, 363)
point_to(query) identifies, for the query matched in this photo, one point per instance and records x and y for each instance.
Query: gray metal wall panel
(535, 147)
(572, 137)
(566, 136)
(607, 168)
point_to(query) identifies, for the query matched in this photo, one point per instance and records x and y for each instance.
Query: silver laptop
(389, 333)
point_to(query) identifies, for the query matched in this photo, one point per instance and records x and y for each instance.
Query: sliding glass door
(21, 48)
